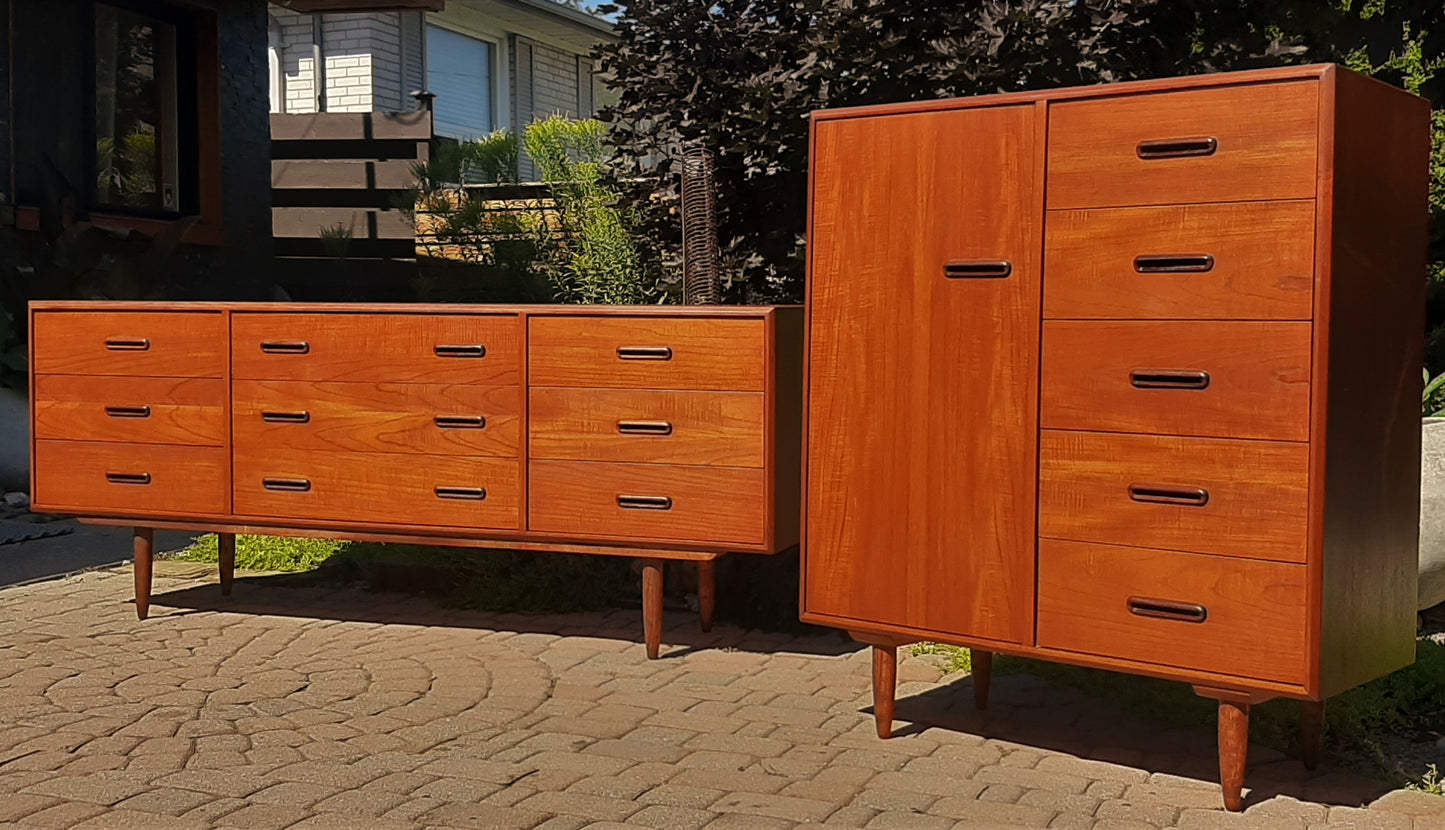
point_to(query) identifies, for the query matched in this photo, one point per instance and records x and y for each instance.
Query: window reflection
(135, 109)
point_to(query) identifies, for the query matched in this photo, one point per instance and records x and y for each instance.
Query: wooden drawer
(703, 505)
(86, 478)
(647, 353)
(136, 410)
(153, 344)
(1207, 495)
(1228, 144)
(441, 491)
(1214, 379)
(722, 429)
(399, 348)
(1223, 261)
(376, 417)
(1184, 610)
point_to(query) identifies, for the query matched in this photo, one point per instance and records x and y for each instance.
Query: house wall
(362, 61)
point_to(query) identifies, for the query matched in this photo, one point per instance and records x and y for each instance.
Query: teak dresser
(664, 432)
(1124, 376)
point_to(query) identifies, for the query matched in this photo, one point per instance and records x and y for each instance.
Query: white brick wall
(362, 61)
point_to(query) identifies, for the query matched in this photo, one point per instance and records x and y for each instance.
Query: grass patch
(1430, 782)
(266, 553)
(956, 657)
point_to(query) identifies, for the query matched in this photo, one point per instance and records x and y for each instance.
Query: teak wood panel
(1111, 152)
(151, 344)
(130, 409)
(1104, 376)
(1206, 495)
(397, 348)
(722, 505)
(82, 476)
(926, 388)
(647, 353)
(1251, 260)
(719, 429)
(1099, 599)
(431, 419)
(379, 487)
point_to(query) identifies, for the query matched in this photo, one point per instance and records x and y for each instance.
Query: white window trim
(501, 63)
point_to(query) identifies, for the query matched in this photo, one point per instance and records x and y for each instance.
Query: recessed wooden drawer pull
(1173, 148)
(644, 427)
(473, 350)
(128, 478)
(128, 411)
(461, 493)
(644, 502)
(127, 344)
(287, 485)
(460, 421)
(1165, 609)
(1174, 263)
(285, 347)
(286, 417)
(1156, 494)
(1169, 379)
(644, 352)
(978, 269)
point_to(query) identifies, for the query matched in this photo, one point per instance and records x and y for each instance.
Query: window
(137, 136)
(459, 73)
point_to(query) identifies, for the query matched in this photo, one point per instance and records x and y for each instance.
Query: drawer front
(1213, 379)
(1224, 261)
(135, 410)
(1183, 610)
(398, 348)
(719, 429)
(442, 491)
(643, 501)
(83, 477)
(153, 344)
(647, 353)
(1207, 495)
(1228, 144)
(421, 418)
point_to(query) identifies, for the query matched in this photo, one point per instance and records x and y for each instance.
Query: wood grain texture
(1262, 262)
(885, 688)
(707, 504)
(1233, 752)
(705, 354)
(135, 410)
(376, 417)
(143, 564)
(1266, 144)
(379, 487)
(740, 312)
(226, 560)
(1257, 502)
(71, 477)
(652, 586)
(363, 347)
(914, 378)
(152, 344)
(716, 429)
(1085, 592)
(1259, 378)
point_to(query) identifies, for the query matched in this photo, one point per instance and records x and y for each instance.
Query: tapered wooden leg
(1312, 728)
(1233, 751)
(885, 682)
(144, 547)
(652, 606)
(982, 662)
(226, 542)
(706, 591)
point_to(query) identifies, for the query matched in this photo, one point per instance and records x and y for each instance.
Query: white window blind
(459, 73)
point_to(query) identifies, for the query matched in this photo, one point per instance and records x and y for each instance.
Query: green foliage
(266, 553)
(1430, 782)
(956, 658)
(490, 159)
(336, 240)
(1432, 400)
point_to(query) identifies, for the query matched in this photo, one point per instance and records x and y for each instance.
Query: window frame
(500, 98)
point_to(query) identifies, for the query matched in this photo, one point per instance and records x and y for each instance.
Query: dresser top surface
(538, 310)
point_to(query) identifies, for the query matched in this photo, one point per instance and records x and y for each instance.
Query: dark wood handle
(1174, 148)
(287, 485)
(285, 346)
(458, 350)
(644, 352)
(1166, 609)
(460, 421)
(1165, 494)
(461, 493)
(644, 427)
(286, 417)
(1174, 263)
(644, 502)
(1169, 379)
(978, 269)
(127, 344)
(128, 478)
(128, 411)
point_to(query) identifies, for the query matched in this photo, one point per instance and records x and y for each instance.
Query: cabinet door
(923, 372)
